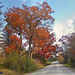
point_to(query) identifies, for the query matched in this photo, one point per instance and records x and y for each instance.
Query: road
(55, 69)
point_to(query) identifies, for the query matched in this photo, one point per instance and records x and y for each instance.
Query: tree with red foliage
(43, 41)
(7, 32)
(14, 45)
(24, 22)
(37, 15)
(47, 51)
(15, 21)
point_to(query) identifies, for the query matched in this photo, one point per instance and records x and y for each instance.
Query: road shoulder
(70, 68)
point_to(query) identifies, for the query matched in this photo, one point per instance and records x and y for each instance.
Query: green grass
(67, 65)
(48, 62)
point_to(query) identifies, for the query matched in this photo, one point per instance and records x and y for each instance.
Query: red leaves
(47, 51)
(15, 19)
(15, 39)
(73, 52)
(28, 22)
(10, 49)
(44, 3)
(47, 6)
(8, 30)
(43, 41)
(14, 45)
(7, 51)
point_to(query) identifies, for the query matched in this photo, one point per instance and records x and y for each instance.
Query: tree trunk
(21, 39)
(20, 49)
(30, 50)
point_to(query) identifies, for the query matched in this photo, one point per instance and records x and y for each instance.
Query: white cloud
(70, 26)
(70, 21)
(58, 29)
(63, 28)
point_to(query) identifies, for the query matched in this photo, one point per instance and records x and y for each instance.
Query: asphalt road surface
(55, 69)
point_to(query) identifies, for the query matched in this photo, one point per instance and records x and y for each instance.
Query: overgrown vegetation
(50, 60)
(69, 60)
(32, 26)
(13, 62)
(69, 54)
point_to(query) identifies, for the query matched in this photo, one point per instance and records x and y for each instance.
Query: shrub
(27, 64)
(24, 63)
(65, 59)
(1, 62)
(12, 62)
(38, 63)
(39, 57)
(69, 61)
(72, 61)
(52, 59)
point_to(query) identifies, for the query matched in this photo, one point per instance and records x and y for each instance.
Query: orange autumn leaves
(43, 41)
(14, 45)
(41, 35)
(14, 18)
(31, 24)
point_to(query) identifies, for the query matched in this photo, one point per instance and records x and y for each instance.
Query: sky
(64, 13)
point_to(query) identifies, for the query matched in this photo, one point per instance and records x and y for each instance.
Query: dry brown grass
(38, 63)
(10, 72)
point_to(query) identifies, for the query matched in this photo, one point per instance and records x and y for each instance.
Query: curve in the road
(55, 69)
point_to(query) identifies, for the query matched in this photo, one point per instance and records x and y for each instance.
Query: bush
(73, 61)
(38, 63)
(27, 64)
(12, 62)
(65, 59)
(52, 59)
(69, 61)
(23, 63)
(1, 62)
(39, 57)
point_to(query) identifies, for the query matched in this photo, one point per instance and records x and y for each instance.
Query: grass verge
(70, 67)
(10, 72)
(48, 62)
(67, 65)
